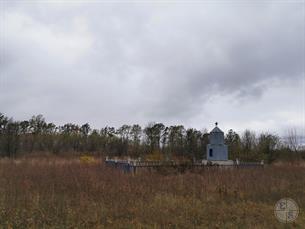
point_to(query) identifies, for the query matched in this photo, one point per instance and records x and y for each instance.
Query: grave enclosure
(216, 155)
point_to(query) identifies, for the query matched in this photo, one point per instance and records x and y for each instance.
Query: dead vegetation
(81, 193)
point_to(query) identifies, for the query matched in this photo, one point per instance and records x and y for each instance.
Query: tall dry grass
(66, 193)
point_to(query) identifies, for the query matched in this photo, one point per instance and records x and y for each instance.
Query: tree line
(155, 141)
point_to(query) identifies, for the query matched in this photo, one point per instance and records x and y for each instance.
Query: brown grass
(66, 193)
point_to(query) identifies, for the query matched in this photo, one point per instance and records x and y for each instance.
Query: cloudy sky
(240, 63)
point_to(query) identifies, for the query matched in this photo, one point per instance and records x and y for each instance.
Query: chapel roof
(216, 129)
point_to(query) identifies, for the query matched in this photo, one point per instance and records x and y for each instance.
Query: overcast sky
(240, 63)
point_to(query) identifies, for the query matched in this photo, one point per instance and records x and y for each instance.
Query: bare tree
(292, 139)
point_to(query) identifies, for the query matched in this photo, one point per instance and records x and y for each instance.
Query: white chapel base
(209, 162)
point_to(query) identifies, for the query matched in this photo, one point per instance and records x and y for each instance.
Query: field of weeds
(82, 193)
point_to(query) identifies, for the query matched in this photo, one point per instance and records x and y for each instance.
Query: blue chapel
(217, 150)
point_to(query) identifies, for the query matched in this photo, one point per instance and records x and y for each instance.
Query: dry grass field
(73, 193)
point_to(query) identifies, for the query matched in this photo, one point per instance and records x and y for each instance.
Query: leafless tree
(292, 139)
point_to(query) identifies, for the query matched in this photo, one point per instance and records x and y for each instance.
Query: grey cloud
(117, 63)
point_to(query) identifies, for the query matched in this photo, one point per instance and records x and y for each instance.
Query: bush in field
(87, 159)
(155, 156)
